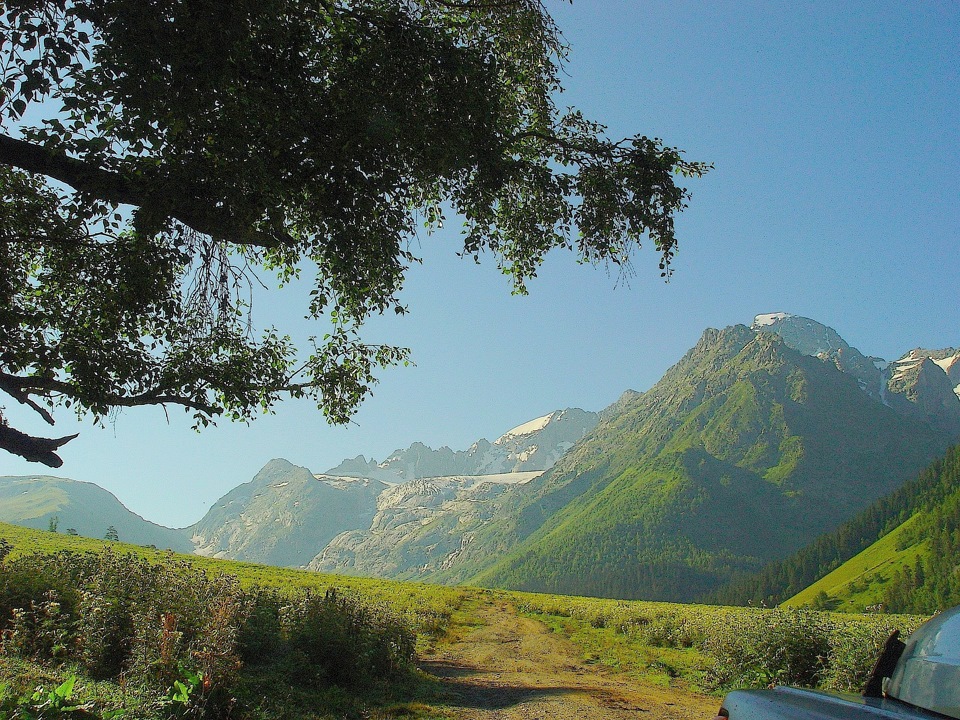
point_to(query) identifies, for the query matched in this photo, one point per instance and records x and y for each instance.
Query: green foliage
(855, 646)
(55, 702)
(252, 660)
(187, 636)
(343, 641)
(282, 137)
(185, 693)
(782, 647)
(42, 703)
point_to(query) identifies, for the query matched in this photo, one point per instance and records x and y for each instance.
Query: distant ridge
(287, 515)
(531, 446)
(37, 500)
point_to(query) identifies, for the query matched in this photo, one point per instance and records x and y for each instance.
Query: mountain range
(759, 440)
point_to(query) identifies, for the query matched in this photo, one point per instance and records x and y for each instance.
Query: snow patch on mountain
(902, 367)
(951, 366)
(342, 482)
(527, 428)
(769, 319)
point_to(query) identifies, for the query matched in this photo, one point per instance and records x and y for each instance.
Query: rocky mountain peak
(807, 336)
(919, 385)
(531, 446)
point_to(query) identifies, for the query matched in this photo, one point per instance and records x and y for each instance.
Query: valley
(780, 431)
(273, 643)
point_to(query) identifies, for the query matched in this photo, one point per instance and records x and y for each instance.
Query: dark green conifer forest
(932, 584)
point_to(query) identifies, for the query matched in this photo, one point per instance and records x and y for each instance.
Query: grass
(858, 584)
(680, 668)
(714, 648)
(682, 647)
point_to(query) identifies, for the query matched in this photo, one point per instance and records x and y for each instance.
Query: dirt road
(507, 667)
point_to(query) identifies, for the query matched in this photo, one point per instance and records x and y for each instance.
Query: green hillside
(901, 552)
(860, 582)
(87, 509)
(743, 453)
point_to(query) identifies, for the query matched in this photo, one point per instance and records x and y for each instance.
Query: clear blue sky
(835, 132)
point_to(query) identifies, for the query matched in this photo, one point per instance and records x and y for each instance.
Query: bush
(183, 635)
(855, 647)
(782, 647)
(344, 640)
(38, 606)
(42, 631)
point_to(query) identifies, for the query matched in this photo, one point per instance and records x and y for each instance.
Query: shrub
(183, 637)
(344, 640)
(259, 638)
(38, 601)
(42, 631)
(855, 647)
(788, 647)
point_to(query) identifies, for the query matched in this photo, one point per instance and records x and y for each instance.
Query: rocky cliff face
(949, 360)
(919, 385)
(285, 515)
(420, 526)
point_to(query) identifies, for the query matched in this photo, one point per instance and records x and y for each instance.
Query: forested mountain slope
(745, 451)
(903, 552)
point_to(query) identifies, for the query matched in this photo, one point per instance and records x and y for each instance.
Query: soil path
(508, 667)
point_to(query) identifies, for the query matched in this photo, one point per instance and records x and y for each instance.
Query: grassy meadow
(99, 629)
(717, 648)
(860, 582)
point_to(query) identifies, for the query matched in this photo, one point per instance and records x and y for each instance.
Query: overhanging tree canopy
(183, 145)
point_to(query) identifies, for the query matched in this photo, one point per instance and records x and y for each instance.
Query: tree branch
(490, 4)
(23, 398)
(116, 188)
(24, 386)
(565, 144)
(31, 448)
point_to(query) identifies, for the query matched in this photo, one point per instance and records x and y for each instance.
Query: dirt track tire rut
(509, 667)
